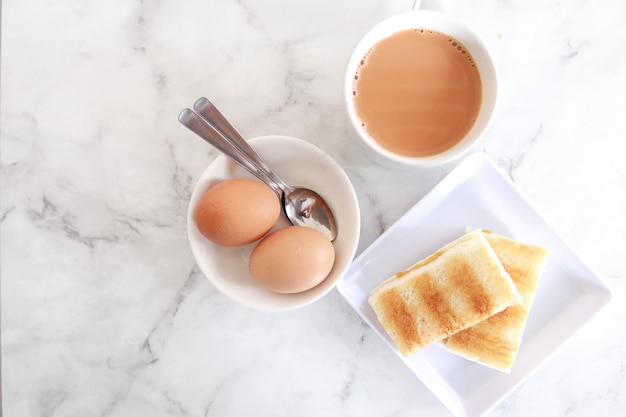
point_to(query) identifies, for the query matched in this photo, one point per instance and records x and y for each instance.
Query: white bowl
(439, 22)
(299, 163)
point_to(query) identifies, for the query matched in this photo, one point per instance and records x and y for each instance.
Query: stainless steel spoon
(302, 207)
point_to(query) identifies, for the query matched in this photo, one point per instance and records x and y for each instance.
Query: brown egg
(292, 259)
(237, 212)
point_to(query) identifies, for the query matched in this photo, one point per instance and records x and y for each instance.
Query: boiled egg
(292, 259)
(237, 212)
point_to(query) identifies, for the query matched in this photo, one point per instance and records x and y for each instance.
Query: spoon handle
(209, 133)
(213, 116)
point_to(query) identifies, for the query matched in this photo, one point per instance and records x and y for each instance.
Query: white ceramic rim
(446, 24)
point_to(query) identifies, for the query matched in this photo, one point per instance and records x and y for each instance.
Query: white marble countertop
(104, 312)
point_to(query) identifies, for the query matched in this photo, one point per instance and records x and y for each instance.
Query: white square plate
(477, 194)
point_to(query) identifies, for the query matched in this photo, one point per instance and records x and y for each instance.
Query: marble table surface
(104, 311)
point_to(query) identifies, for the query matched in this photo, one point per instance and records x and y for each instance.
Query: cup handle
(434, 5)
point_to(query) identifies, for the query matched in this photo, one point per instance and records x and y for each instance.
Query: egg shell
(292, 260)
(237, 212)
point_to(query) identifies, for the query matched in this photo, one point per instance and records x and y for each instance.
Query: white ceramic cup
(440, 22)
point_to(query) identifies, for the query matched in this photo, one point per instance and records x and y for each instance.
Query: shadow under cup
(452, 28)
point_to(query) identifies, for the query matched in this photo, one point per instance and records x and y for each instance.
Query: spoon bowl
(304, 207)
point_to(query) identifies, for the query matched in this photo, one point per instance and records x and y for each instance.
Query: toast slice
(495, 341)
(456, 287)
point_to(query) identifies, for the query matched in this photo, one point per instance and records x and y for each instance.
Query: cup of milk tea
(420, 89)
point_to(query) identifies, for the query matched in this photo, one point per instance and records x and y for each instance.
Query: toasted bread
(456, 287)
(495, 341)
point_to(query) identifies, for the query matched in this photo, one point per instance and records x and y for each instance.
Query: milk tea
(417, 92)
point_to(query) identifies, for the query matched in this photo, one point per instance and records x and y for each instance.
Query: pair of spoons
(302, 207)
